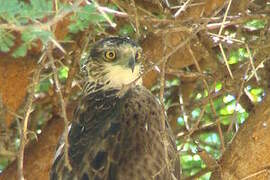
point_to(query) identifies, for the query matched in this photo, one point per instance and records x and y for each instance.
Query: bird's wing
(118, 139)
(91, 138)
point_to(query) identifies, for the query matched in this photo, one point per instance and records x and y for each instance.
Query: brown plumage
(112, 136)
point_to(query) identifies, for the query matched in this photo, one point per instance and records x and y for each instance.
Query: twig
(23, 127)
(219, 33)
(57, 44)
(226, 38)
(261, 65)
(185, 74)
(209, 128)
(254, 71)
(196, 126)
(224, 18)
(182, 8)
(179, 46)
(62, 102)
(225, 59)
(75, 57)
(185, 116)
(210, 100)
(205, 100)
(104, 14)
(137, 24)
(161, 97)
(112, 11)
(191, 5)
(238, 98)
(265, 170)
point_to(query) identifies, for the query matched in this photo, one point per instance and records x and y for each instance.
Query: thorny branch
(23, 127)
(62, 103)
(60, 16)
(75, 57)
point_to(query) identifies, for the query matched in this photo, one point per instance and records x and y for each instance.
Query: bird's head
(114, 62)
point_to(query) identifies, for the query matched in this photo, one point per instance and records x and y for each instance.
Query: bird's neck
(93, 88)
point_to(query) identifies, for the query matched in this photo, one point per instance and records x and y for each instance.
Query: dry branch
(211, 103)
(62, 102)
(23, 127)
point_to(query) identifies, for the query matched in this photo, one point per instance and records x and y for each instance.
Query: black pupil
(111, 54)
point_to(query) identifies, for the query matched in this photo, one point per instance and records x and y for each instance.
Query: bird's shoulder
(109, 133)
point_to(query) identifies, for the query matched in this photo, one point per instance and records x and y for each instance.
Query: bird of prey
(117, 133)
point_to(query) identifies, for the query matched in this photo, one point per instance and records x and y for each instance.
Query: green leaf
(255, 24)
(9, 9)
(210, 138)
(4, 47)
(205, 176)
(43, 86)
(225, 120)
(126, 30)
(218, 86)
(256, 91)
(229, 108)
(191, 161)
(180, 121)
(218, 103)
(36, 9)
(21, 13)
(86, 16)
(20, 51)
(3, 163)
(6, 40)
(196, 113)
(241, 117)
(63, 73)
(34, 34)
(238, 55)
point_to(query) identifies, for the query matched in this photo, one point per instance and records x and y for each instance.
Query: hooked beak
(131, 64)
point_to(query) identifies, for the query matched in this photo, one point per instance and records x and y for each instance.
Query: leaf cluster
(25, 18)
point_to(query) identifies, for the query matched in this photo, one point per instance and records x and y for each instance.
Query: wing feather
(114, 138)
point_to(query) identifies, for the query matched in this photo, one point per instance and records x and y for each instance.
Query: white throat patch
(120, 76)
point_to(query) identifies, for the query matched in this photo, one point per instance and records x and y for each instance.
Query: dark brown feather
(114, 138)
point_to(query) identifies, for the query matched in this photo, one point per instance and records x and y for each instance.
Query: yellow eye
(110, 55)
(138, 55)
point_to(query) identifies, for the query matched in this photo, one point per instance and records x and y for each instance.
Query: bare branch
(23, 127)
(62, 103)
(211, 102)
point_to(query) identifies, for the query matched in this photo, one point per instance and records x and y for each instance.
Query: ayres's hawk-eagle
(116, 136)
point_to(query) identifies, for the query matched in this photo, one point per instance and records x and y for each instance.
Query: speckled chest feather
(114, 138)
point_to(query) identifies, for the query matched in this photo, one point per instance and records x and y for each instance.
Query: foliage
(26, 18)
(85, 16)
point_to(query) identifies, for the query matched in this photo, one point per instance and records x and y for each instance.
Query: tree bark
(248, 156)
